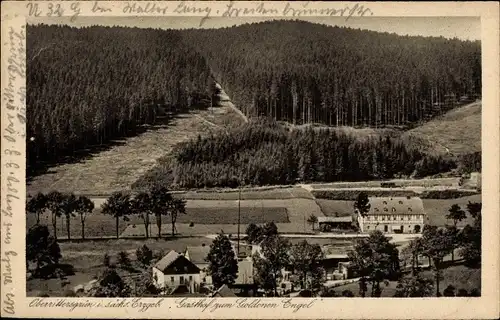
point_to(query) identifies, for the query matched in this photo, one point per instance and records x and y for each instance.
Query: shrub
(106, 260)
(123, 259)
(144, 255)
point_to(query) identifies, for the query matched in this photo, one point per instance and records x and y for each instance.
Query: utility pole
(239, 217)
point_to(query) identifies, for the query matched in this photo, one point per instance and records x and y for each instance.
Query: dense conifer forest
(262, 152)
(302, 72)
(90, 85)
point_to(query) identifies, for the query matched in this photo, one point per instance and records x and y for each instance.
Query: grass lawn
(460, 276)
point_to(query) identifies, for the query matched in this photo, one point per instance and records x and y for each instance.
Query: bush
(123, 259)
(106, 260)
(353, 194)
(144, 255)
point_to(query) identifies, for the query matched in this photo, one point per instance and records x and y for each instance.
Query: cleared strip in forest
(120, 166)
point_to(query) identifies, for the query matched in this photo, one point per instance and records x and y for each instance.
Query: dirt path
(117, 168)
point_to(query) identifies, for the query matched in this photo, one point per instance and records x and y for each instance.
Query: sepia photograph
(253, 157)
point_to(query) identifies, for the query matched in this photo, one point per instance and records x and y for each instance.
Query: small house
(174, 270)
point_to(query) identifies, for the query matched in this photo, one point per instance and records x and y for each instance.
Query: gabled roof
(224, 292)
(197, 254)
(167, 260)
(395, 205)
(176, 263)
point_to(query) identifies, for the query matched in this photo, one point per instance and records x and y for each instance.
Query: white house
(174, 270)
(393, 215)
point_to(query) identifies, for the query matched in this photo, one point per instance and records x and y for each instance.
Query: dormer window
(385, 202)
(400, 202)
(409, 209)
(393, 209)
(385, 209)
(376, 210)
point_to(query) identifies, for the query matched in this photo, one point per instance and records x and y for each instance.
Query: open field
(257, 194)
(458, 130)
(437, 209)
(209, 216)
(117, 168)
(459, 276)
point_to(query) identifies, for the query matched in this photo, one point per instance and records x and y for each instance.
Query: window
(181, 280)
(394, 218)
(367, 227)
(385, 202)
(376, 210)
(172, 279)
(383, 218)
(190, 278)
(400, 202)
(386, 228)
(409, 209)
(385, 209)
(393, 209)
(402, 218)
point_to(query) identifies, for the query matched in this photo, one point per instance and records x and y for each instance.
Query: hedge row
(353, 194)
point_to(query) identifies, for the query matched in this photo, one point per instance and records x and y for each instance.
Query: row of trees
(157, 202)
(60, 205)
(265, 153)
(87, 86)
(436, 243)
(337, 75)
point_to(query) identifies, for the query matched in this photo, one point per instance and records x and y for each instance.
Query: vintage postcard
(236, 160)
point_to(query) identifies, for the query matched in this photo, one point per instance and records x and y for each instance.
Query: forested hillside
(302, 72)
(264, 153)
(90, 85)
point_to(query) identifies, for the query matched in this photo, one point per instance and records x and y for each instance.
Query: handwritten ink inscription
(14, 100)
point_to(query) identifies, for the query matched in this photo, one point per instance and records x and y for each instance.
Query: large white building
(393, 215)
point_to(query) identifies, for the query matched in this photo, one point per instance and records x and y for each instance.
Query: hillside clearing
(117, 168)
(458, 130)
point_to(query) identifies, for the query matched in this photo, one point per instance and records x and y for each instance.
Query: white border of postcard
(13, 294)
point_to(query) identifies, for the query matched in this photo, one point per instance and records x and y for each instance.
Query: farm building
(175, 270)
(393, 215)
(198, 255)
(327, 224)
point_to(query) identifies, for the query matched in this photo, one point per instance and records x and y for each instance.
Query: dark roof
(395, 205)
(167, 260)
(347, 219)
(224, 292)
(176, 263)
